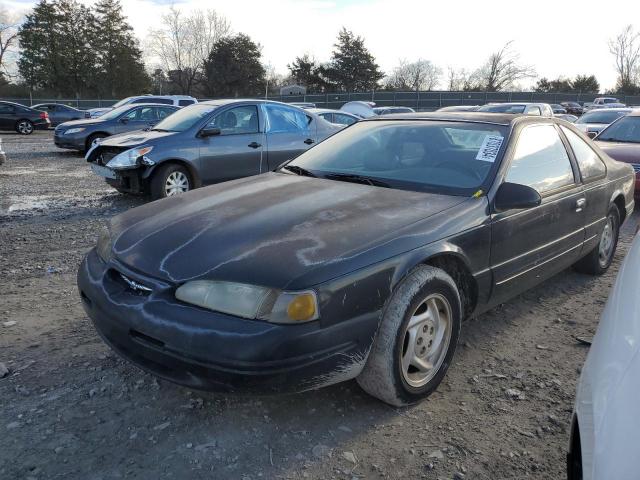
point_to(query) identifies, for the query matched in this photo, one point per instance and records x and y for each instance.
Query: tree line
(64, 48)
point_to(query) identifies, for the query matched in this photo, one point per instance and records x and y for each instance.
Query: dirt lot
(71, 409)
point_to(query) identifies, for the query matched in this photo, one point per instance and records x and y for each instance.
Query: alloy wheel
(426, 340)
(177, 182)
(25, 128)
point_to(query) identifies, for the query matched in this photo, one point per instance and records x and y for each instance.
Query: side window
(328, 117)
(237, 120)
(141, 114)
(341, 119)
(540, 160)
(164, 101)
(6, 108)
(282, 119)
(588, 161)
(164, 112)
(184, 103)
(534, 111)
(141, 100)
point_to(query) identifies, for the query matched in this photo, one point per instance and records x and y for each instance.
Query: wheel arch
(193, 172)
(93, 134)
(617, 199)
(452, 260)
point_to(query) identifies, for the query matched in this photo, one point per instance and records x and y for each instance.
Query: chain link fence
(421, 101)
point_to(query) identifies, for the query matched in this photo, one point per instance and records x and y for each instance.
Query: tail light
(44, 115)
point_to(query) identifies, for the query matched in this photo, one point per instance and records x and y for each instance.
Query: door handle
(254, 145)
(580, 204)
(309, 141)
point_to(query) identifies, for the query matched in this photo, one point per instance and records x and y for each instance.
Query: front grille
(105, 154)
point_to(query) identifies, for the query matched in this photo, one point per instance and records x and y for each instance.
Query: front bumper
(212, 351)
(129, 181)
(74, 141)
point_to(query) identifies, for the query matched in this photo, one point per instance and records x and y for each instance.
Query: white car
(594, 121)
(176, 100)
(605, 431)
(604, 102)
(542, 109)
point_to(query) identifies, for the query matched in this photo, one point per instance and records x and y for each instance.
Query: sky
(557, 38)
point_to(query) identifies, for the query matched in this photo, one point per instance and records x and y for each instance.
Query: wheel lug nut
(431, 330)
(424, 329)
(423, 350)
(419, 340)
(430, 343)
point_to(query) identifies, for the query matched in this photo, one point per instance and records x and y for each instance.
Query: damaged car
(358, 259)
(205, 143)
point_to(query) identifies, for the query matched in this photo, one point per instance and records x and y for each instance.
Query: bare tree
(626, 50)
(183, 43)
(418, 75)
(8, 41)
(502, 70)
(461, 80)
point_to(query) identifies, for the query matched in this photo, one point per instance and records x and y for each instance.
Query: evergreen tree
(352, 68)
(306, 71)
(120, 69)
(586, 84)
(233, 68)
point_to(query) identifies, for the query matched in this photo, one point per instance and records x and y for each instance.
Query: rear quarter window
(588, 160)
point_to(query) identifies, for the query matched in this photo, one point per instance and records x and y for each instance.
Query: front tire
(416, 339)
(170, 179)
(24, 127)
(598, 260)
(93, 138)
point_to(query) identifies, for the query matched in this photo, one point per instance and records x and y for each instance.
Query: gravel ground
(71, 409)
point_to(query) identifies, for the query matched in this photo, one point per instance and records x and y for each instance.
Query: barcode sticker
(490, 147)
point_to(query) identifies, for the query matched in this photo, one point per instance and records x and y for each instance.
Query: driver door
(529, 245)
(137, 119)
(237, 151)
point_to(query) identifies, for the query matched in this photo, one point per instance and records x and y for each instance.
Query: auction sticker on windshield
(490, 147)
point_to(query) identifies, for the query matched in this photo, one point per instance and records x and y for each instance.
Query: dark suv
(23, 120)
(206, 143)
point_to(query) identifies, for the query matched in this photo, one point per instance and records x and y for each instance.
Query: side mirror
(124, 120)
(209, 132)
(592, 134)
(515, 195)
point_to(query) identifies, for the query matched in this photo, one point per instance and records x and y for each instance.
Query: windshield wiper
(299, 170)
(351, 177)
(159, 130)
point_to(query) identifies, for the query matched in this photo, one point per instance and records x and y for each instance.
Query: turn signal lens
(302, 307)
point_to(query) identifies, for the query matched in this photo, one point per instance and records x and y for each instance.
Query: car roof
(150, 104)
(505, 119)
(228, 101)
(614, 109)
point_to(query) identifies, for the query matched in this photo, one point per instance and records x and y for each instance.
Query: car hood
(270, 229)
(135, 138)
(623, 152)
(88, 122)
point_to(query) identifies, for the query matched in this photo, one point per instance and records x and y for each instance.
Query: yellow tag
(478, 194)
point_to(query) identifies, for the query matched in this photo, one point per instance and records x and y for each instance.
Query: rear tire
(414, 346)
(170, 179)
(598, 260)
(24, 127)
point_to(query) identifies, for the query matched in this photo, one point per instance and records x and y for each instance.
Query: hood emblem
(138, 287)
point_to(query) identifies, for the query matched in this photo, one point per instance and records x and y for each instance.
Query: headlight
(74, 130)
(104, 246)
(129, 158)
(251, 301)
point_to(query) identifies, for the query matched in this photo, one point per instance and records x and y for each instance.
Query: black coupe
(358, 259)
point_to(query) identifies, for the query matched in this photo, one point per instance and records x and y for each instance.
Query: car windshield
(115, 113)
(626, 130)
(185, 118)
(122, 102)
(447, 157)
(502, 108)
(601, 116)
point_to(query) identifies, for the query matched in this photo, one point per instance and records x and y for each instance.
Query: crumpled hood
(268, 229)
(86, 122)
(134, 139)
